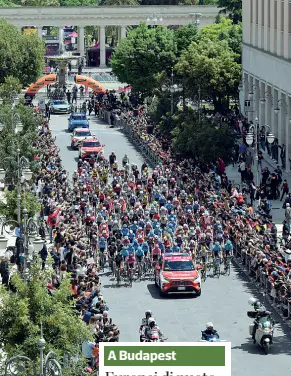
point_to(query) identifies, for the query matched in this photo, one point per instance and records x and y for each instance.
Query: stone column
(272, 26)
(287, 133)
(39, 32)
(81, 43)
(286, 34)
(123, 32)
(279, 28)
(260, 17)
(261, 106)
(245, 94)
(118, 34)
(266, 27)
(102, 47)
(61, 39)
(272, 112)
(279, 117)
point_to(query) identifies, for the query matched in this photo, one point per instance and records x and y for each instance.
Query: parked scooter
(265, 329)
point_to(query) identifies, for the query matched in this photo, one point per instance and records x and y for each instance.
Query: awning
(73, 35)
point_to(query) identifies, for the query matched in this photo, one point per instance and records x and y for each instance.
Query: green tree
(76, 3)
(143, 55)
(234, 7)
(21, 54)
(8, 205)
(10, 141)
(119, 2)
(10, 84)
(21, 315)
(184, 36)
(40, 3)
(7, 3)
(225, 30)
(210, 66)
(202, 140)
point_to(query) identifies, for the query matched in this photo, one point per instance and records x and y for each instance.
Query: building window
(289, 18)
(252, 16)
(257, 11)
(269, 13)
(275, 14)
(263, 12)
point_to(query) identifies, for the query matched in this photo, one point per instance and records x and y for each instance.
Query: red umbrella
(73, 35)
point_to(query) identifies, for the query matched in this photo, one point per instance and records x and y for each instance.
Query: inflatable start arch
(93, 84)
(52, 78)
(43, 81)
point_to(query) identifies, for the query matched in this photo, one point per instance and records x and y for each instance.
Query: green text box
(177, 356)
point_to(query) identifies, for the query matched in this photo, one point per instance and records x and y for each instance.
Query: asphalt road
(223, 301)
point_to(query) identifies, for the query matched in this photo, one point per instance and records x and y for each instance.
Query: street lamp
(23, 174)
(48, 365)
(29, 233)
(154, 19)
(196, 15)
(252, 136)
(252, 91)
(173, 88)
(281, 103)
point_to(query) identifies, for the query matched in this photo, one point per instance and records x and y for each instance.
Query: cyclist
(102, 245)
(139, 256)
(216, 253)
(131, 261)
(228, 247)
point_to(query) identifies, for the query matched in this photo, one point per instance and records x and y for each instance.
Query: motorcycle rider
(144, 324)
(261, 312)
(209, 332)
(152, 329)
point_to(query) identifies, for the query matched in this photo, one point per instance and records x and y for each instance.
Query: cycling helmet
(151, 320)
(148, 312)
(228, 242)
(209, 325)
(252, 301)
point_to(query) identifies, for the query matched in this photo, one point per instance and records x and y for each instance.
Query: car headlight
(164, 280)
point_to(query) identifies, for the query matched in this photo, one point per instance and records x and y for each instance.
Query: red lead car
(176, 273)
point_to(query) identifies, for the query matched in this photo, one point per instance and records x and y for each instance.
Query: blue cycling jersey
(125, 231)
(124, 253)
(139, 252)
(216, 249)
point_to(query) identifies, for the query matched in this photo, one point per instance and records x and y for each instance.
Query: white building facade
(266, 81)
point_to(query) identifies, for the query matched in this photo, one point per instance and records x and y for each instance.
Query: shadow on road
(155, 294)
(115, 286)
(280, 345)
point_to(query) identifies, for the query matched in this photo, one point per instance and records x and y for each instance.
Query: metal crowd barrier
(282, 303)
(138, 141)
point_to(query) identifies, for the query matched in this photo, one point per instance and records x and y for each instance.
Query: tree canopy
(21, 315)
(202, 140)
(184, 36)
(21, 54)
(225, 30)
(234, 7)
(7, 3)
(210, 66)
(140, 57)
